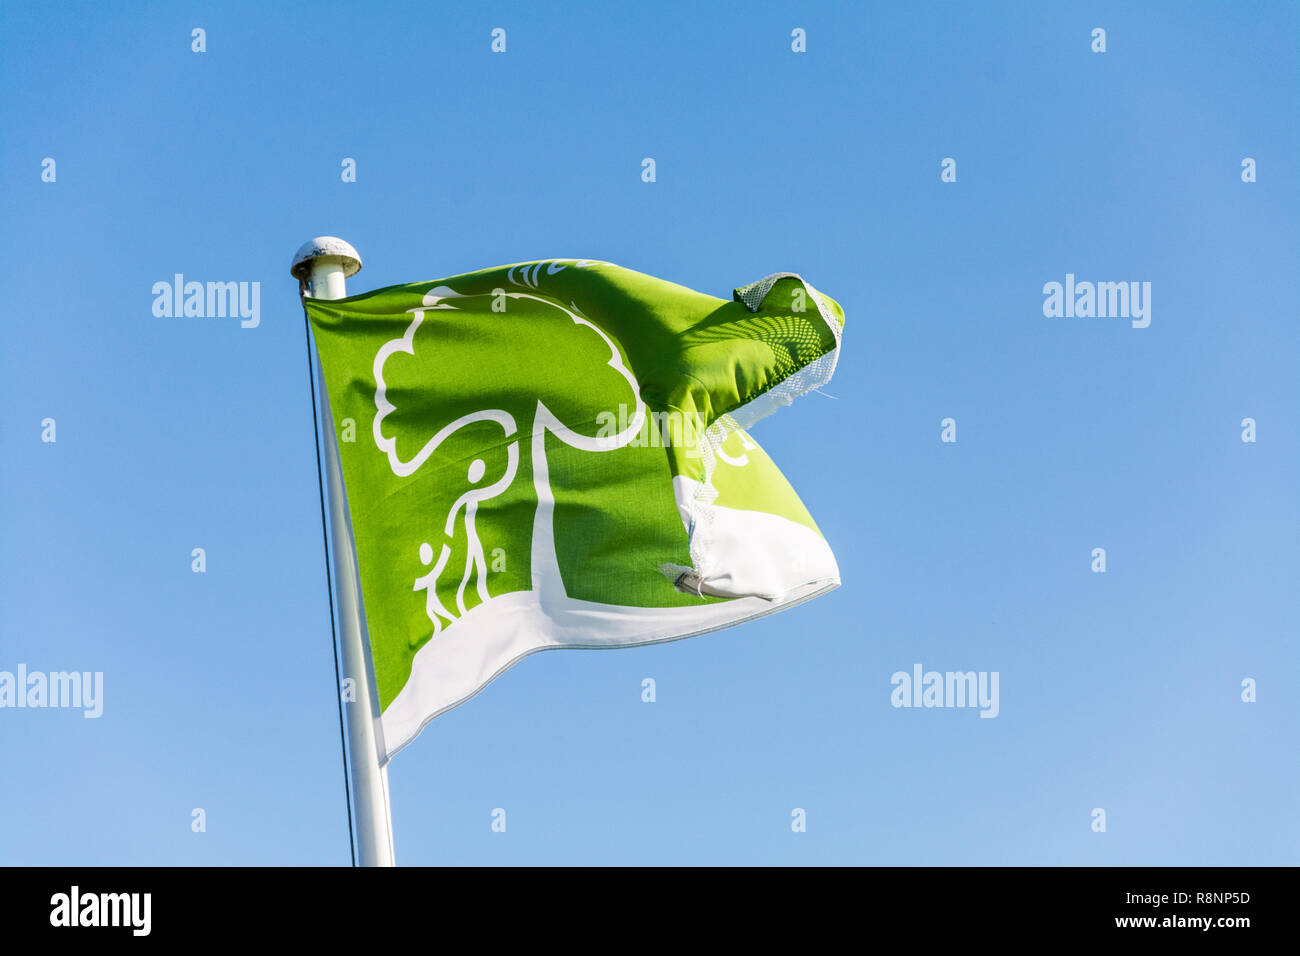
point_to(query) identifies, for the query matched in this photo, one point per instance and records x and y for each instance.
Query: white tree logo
(545, 566)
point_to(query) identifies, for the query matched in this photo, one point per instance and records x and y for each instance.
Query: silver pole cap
(321, 247)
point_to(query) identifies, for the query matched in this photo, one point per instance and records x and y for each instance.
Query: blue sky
(1119, 690)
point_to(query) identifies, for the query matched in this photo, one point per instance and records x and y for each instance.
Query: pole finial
(325, 247)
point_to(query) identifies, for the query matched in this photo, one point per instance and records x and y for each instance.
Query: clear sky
(1119, 690)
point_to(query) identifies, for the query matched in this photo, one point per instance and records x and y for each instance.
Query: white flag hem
(498, 623)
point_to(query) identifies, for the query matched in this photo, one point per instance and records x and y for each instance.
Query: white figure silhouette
(429, 584)
(475, 563)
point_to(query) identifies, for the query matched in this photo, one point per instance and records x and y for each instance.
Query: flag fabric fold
(557, 454)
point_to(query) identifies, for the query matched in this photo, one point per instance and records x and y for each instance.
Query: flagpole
(322, 266)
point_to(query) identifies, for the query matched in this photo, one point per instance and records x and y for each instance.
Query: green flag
(556, 454)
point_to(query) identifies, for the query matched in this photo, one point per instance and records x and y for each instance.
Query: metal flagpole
(322, 266)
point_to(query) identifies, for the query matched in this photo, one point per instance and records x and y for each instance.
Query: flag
(557, 454)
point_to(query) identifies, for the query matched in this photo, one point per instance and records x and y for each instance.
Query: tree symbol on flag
(446, 598)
